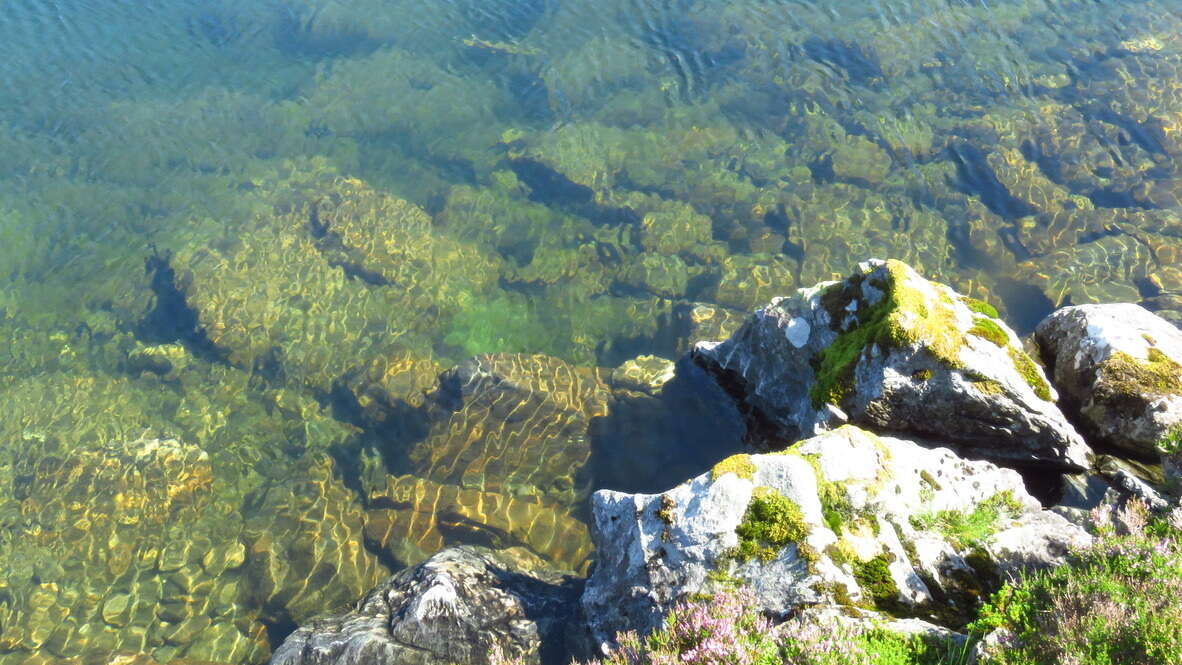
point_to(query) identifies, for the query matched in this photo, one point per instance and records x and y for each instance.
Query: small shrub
(1171, 442)
(1117, 602)
(964, 530)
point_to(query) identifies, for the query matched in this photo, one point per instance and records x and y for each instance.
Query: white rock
(655, 549)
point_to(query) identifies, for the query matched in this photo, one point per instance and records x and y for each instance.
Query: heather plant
(1116, 602)
(727, 629)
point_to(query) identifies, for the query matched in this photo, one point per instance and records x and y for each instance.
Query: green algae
(982, 307)
(771, 523)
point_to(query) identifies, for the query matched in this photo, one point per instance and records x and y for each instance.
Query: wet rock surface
(844, 518)
(1119, 367)
(454, 608)
(891, 350)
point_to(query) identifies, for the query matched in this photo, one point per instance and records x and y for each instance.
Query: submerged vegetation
(260, 232)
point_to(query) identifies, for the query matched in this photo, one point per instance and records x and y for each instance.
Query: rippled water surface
(294, 293)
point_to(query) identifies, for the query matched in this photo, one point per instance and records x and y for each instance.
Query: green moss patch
(740, 465)
(904, 316)
(771, 523)
(1030, 373)
(964, 530)
(874, 577)
(988, 329)
(835, 500)
(982, 307)
(1123, 377)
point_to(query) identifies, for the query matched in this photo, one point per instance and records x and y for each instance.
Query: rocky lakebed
(906, 452)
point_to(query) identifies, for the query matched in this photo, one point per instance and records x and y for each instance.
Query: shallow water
(266, 232)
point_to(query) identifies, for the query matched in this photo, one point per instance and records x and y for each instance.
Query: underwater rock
(701, 322)
(840, 224)
(453, 609)
(1119, 368)
(305, 548)
(410, 518)
(890, 350)
(643, 374)
(661, 275)
(512, 423)
(745, 281)
(121, 547)
(844, 518)
(329, 275)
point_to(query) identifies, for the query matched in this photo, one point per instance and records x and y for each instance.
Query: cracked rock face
(890, 350)
(1119, 367)
(454, 608)
(846, 518)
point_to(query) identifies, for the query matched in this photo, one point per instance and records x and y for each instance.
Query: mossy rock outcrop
(889, 350)
(846, 518)
(1119, 367)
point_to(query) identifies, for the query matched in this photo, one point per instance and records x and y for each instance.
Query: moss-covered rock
(770, 522)
(1120, 367)
(889, 349)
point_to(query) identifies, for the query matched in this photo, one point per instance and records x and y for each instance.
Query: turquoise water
(264, 232)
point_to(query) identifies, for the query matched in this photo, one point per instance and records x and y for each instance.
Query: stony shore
(880, 410)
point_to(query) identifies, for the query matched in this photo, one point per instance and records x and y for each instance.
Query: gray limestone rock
(454, 608)
(892, 351)
(869, 520)
(1119, 368)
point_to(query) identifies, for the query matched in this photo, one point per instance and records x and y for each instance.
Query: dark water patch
(663, 342)
(977, 177)
(964, 252)
(550, 187)
(1047, 164)
(1112, 197)
(278, 628)
(301, 33)
(860, 63)
(531, 94)
(1013, 242)
(1026, 305)
(822, 170)
(680, 433)
(171, 319)
(217, 26)
(1148, 136)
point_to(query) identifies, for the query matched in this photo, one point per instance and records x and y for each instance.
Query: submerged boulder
(846, 518)
(1119, 367)
(887, 349)
(454, 608)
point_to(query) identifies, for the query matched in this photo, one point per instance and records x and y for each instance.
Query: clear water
(260, 232)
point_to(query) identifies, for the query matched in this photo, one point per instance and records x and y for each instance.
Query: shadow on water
(172, 319)
(681, 432)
